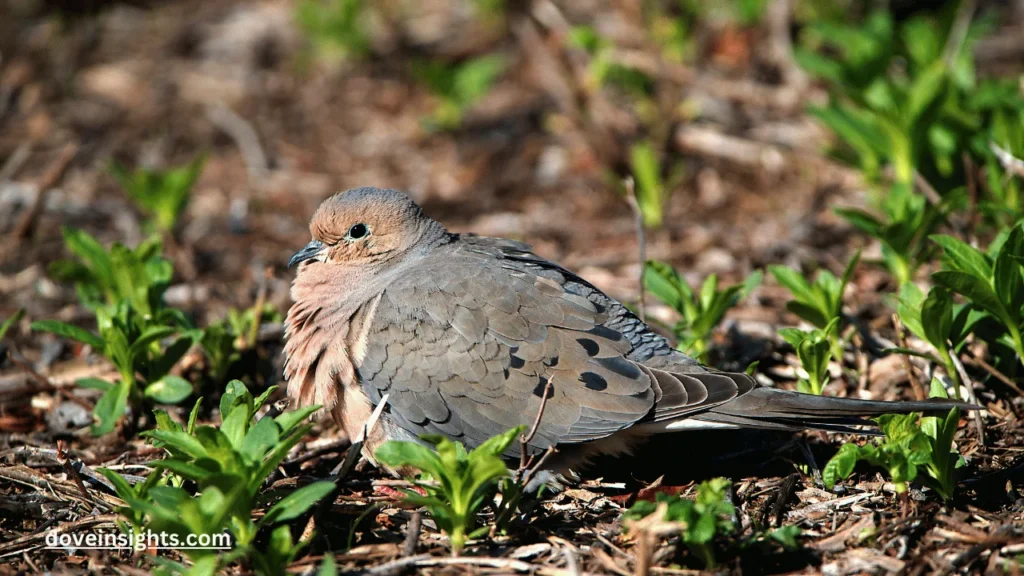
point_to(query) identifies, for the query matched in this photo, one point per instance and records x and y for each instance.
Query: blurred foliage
(458, 86)
(161, 195)
(335, 28)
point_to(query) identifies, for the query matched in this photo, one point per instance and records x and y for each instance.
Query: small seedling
(700, 312)
(936, 319)
(461, 482)
(162, 195)
(650, 189)
(698, 521)
(818, 302)
(910, 446)
(104, 278)
(227, 466)
(458, 86)
(814, 350)
(224, 341)
(135, 347)
(991, 282)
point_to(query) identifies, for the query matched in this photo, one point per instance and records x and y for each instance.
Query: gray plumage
(466, 334)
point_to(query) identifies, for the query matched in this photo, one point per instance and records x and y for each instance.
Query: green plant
(907, 220)
(458, 86)
(909, 447)
(461, 481)
(224, 341)
(699, 520)
(936, 319)
(898, 94)
(336, 28)
(818, 302)
(124, 288)
(10, 321)
(226, 466)
(133, 344)
(604, 69)
(650, 191)
(991, 282)
(700, 312)
(105, 278)
(162, 195)
(814, 349)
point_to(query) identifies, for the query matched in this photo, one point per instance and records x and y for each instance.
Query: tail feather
(768, 408)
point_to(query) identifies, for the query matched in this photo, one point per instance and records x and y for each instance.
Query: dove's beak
(308, 252)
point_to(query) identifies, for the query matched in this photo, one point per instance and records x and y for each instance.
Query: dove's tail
(770, 409)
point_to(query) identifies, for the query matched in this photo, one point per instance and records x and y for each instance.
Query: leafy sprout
(818, 302)
(701, 311)
(699, 520)
(225, 467)
(814, 350)
(461, 481)
(910, 447)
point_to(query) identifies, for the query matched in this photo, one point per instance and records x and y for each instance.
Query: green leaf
(794, 282)
(397, 453)
(149, 335)
(327, 566)
(963, 257)
(840, 466)
(649, 189)
(664, 283)
(292, 418)
(111, 407)
(69, 331)
(169, 390)
(179, 440)
(10, 322)
(193, 415)
(260, 438)
(94, 384)
(975, 289)
(235, 426)
(234, 394)
(164, 422)
(295, 504)
(1007, 281)
(937, 317)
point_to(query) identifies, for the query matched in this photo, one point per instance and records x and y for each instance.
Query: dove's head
(364, 228)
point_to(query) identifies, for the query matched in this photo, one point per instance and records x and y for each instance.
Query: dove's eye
(358, 231)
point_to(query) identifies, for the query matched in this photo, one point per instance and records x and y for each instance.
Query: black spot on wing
(538, 390)
(590, 346)
(553, 361)
(605, 332)
(516, 362)
(620, 366)
(593, 381)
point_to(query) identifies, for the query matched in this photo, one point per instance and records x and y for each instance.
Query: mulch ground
(539, 159)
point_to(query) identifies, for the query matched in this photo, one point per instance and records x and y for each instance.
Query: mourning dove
(466, 335)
